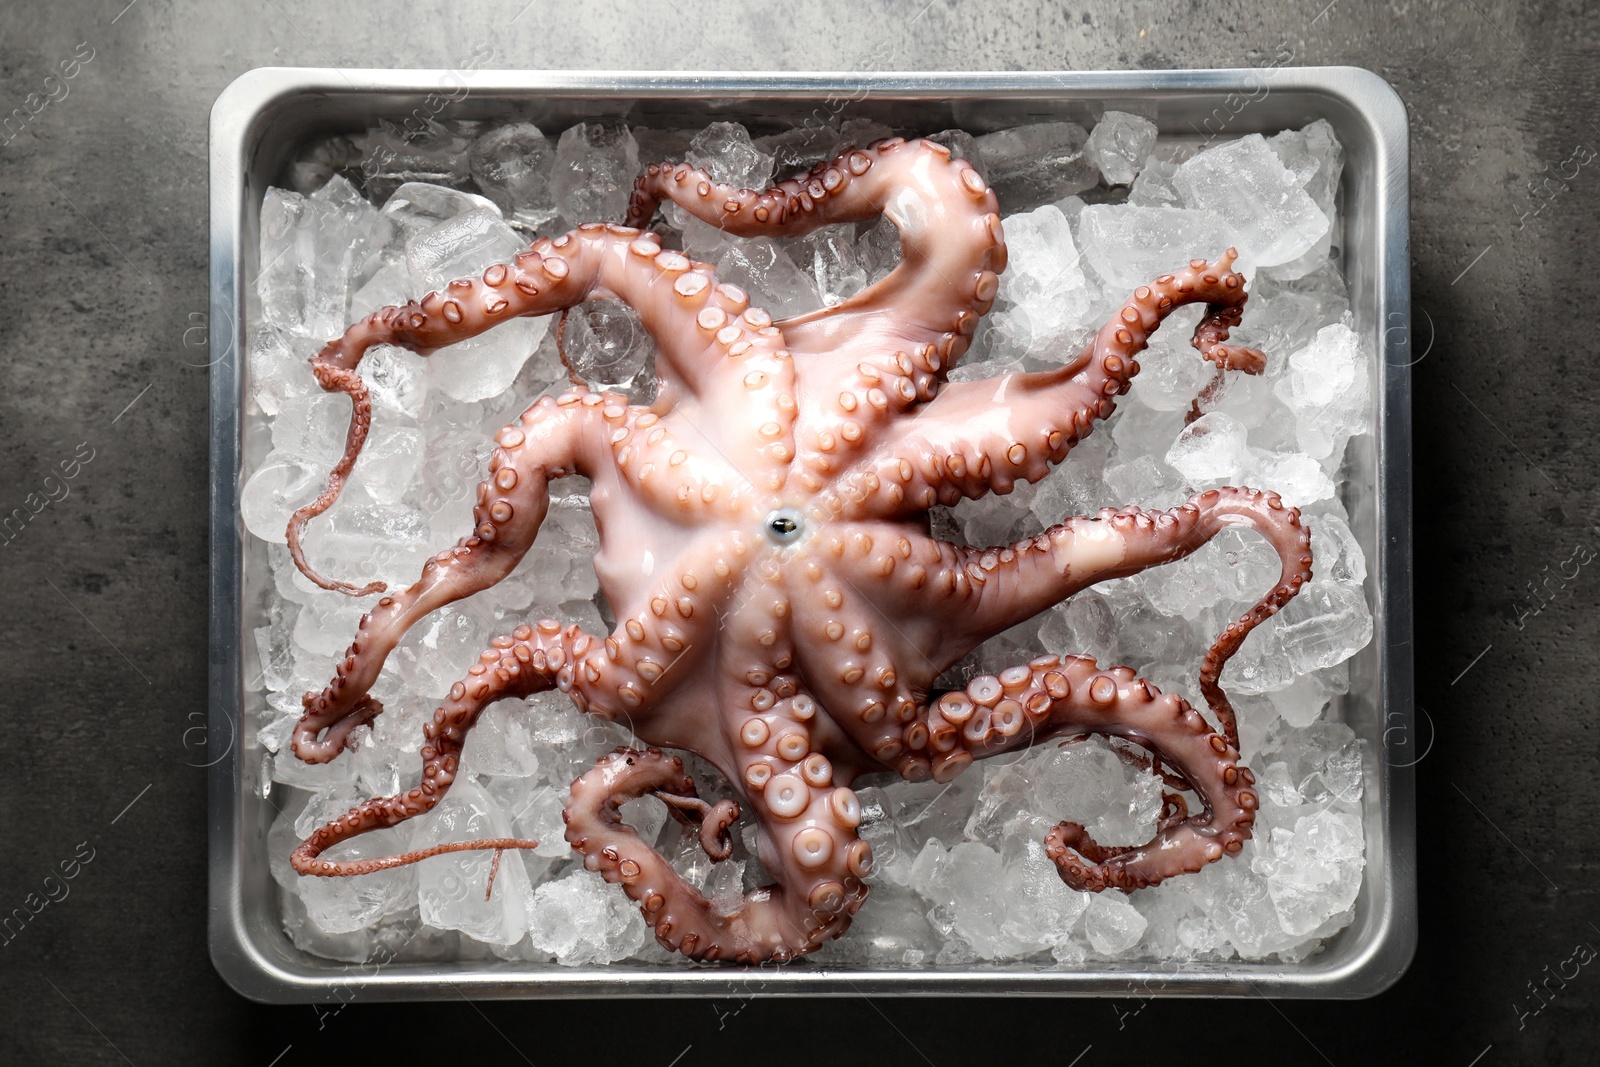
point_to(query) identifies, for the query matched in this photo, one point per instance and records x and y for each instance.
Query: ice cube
(372, 542)
(1328, 391)
(1090, 784)
(1005, 798)
(388, 284)
(539, 817)
(995, 520)
(1029, 165)
(1146, 481)
(1335, 549)
(397, 381)
(278, 367)
(879, 250)
(1342, 774)
(1327, 623)
(960, 884)
(765, 271)
(308, 252)
(273, 646)
(893, 849)
(433, 154)
(725, 887)
(463, 246)
(1119, 145)
(1237, 901)
(889, 927)
(1243, 183)
(1153, 187)
(962, 145)
(700, 240)
(348, 905)
(512, 166)
(1085, 625)
(1075, 487)
(389, 463)
(288, 769)
(1314, 871)
(1316, 159)
(282, 483)
(388, 754)
(595, 168)
(580, 919)
(607, 345)
(932, 809)
(1302, 701)
(1211, 449)
(485, 366)
(1234, 566)
(436, 653)
(724, 150)
(830, 257)
(1129, 245)
(798, 149)
(313, 426)
(325, 626)
(1308, 753)
(1294, 476)
(1171, 373)
(459, 247)
(1139, 429)
(1277, 787)
(417, 207)
(1043, 291)
(1112, 924)
(1040, 910)
(1282, 318)
(451, 887)
(499, 743)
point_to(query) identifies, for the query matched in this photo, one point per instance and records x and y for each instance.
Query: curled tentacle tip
(1236, 357)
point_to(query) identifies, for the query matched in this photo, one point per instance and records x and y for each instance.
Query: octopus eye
(783, 526)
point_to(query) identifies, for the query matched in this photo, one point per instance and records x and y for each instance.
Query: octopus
(782, 607)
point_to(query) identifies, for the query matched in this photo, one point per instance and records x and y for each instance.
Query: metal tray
(256, 125)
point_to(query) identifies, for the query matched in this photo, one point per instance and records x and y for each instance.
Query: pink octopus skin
(782, 609)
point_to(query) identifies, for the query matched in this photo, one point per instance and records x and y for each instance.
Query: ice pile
(1120, 144)
(961, 871)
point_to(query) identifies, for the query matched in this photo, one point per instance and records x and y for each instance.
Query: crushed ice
(961, 871)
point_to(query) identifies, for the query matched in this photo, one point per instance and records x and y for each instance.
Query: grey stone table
(103, 208)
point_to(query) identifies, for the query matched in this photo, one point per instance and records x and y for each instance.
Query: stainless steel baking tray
(256, 126)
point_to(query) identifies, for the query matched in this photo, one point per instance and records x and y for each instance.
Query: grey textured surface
(103, 209)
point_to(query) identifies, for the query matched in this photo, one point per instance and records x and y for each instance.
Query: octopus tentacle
(1014, 583)
(896, 611)
(512, 501)
(695, 320)
(953, 249)
(819, 886)
(711, 821)
(531, 660)
(986, 435)
(1054, 695)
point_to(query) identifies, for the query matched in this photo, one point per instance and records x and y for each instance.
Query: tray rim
(1391, 942)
